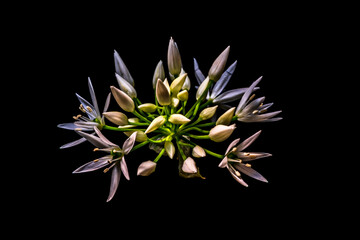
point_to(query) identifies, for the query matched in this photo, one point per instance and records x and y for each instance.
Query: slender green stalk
(180, 149)
(193, 129)
(139, 145)
(198, 136)
(192, 144)
(210, 124)
(121, 129)
(200, 98)
(159, 156)
(141, 116)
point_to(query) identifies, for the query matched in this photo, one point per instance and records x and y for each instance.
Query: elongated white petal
(247, 95)
(198, 74)
(88, 107)
(114, 182)
(231, 145)
(129, 143)
(237, 178)
(107, 102)
(249, 171)
(231, 95)
(223, 162)
(249, 156)
(247, 142)
(96, 141)
(223, 81)
(126, 86)
(93, 97)
(94, 165)
(124, 168)
(103, 138)
(74, 143)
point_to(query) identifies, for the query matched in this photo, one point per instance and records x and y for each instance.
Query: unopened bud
(177, 84)
(220, 133)
(198, 152)
(173, 58)
(155, 124)
(146, 168)
(175, 102)
(148, 107)
(202, 88)
(226, 118)
(140, 135)
(126, 86)
(121, 69)
(162, 94)
(159, 73)
(189, 166)
(207, 113)
(218, 66)
(170, 149)
(118, 118)
(178, 119)
(187, 83)
(124, 101)
(183, 95)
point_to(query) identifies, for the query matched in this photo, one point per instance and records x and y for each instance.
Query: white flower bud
(187, 83)
(148, 107)
(133, 120)
(146, 168)
(155, 124)
(207, 113)
(124, 101)
(170, 149)
(202, 88)
(159, 73)
(218, 66)
(126, 86)
(175, 102)
(198, 152)
(183, 95)
(220, 133)
(177, 84)
(178, 119)
(173, 58)
(226, 118)
(162, 94)
(189, 166)
(140, 136)
(117, 118)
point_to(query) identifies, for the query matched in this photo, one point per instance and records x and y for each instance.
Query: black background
(73, 46)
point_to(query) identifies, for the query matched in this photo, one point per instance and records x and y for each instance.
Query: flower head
(235, 160)
(115, 158)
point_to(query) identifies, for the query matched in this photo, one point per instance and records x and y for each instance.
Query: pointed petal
(107, 102)
(249, 156)
(232, 144)
(237, 178)
(126, 86)
(247, 142)
(223, 162)
(189, 166)
(129, 143)
(68, 126)
(93, 97)
(246, 95)
(74, 143)
(124, 168)
(96, 141)
(115, 179)
(231, 95)
(249, 171)
(94, 165)
(198, 74)
(103, 138)
(91, 114)
(223, 81)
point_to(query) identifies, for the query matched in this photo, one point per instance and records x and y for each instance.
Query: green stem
(139, 145)
(205, 104)
(141, 116)
(180, 149)
(210, 124)
(159, 156)
(192, 144)
(195, 129)
(198, 136)
(200, 99)
(121, 129)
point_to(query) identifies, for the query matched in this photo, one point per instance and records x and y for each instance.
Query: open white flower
(93, 119)
(236, 161)
(115, 158)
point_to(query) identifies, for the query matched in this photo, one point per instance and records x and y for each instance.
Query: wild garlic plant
(170, 126)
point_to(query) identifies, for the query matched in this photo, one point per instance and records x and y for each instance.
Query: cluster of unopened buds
(169, 126)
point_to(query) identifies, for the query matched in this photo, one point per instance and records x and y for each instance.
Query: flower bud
(207, 113)
(133, 120)
(159, 73)
(126, 86)
(183, 95)
(140, 136)
(189, 166)
(178, 119)
(220, 133)
(218, 66)
(198, 152)
(226, 118)
(173, 58)
(162, 93)
(121, 69)
(202, 88)
(148, 107)
(175, 102)
(187, 83)
(118, 118)
(170, 149)
(177, 84)
(124, 101)
(155, 124)
(146, 168)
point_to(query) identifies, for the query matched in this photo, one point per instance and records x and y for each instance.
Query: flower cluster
(169, 126)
